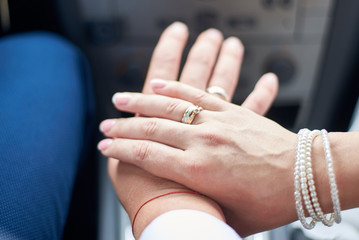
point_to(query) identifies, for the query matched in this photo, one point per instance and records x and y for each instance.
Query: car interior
(312, 45)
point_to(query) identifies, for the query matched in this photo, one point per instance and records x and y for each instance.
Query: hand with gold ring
(201, 70)
(236, 157)
(190, 113)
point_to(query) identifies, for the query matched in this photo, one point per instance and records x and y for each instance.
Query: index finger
(166, 58)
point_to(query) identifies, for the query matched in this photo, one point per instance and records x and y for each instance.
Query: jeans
(46, 105)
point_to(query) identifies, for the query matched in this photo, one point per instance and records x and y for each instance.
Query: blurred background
(312, 45)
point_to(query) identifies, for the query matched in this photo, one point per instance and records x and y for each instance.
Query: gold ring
(219, 91)
(191, 113)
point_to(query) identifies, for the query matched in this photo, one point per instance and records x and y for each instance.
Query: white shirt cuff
(188, 224)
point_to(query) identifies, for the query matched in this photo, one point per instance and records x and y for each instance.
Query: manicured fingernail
(106, 125)
(104, 144)
(158, 83)
(178, 27)
(121, 99)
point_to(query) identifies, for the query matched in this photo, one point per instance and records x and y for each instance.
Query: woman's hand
(236, 157)
(134, 185)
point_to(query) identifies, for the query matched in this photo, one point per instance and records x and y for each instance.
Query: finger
(153, 129)
(145, 154)
(166, 58)
(226, 72)
(188, 93)
(263, 95)
(154, 106)
(201, 59)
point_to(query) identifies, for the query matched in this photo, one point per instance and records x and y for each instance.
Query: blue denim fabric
(45, 104)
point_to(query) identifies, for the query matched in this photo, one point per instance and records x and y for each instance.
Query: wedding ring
(219, 91)
(191, 113)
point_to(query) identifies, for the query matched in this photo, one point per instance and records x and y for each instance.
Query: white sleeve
(188, 224)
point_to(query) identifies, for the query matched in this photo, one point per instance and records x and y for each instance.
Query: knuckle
(150, 127)
(212, 139)
(223, 74)
(215, 42)
(171, 107)
(258, 105)
(269, 92)
(141, 151)
(165, 58)
(235, 55)
(201, 59)
(200, 97)
(196, 169)
(176, 37)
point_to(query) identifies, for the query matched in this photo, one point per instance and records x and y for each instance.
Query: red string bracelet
(159, 196)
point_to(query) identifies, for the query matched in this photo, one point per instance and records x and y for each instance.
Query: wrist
(346, 171)
(346, 167)
(335, 172)
(305, 181)
(320, 173)
(172, 200)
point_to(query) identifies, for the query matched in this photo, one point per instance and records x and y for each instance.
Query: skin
(216, 162)
(240, 159)
(212, 61)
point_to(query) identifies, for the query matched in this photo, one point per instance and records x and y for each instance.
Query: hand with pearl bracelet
(242, 160)
(212, 63)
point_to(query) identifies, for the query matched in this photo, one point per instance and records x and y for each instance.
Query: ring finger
(226, 72)
(154, 106)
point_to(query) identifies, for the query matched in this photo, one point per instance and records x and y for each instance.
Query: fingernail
(158, 83)
(121, 99)
(178, 27)
(104, 144)
(106, 125)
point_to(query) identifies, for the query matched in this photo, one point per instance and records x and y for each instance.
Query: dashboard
(282, 36)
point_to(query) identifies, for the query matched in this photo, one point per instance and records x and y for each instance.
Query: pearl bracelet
(310, 187)
(304, 181)
(332, 182)
(299, 176)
